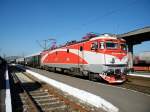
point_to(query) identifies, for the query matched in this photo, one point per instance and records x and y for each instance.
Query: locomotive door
(81, 57)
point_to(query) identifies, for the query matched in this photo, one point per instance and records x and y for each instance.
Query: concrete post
(130, 55)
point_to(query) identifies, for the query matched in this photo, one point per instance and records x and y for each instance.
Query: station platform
(5, 95)
(2, 87)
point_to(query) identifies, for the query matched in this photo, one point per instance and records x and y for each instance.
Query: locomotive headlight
(110, 71)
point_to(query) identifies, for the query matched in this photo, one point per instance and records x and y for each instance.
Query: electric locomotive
(96, 56)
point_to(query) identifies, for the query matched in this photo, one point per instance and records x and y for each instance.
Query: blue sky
(23, 22)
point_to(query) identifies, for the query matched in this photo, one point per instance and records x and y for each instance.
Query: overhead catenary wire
(93, 20)
(102, 16)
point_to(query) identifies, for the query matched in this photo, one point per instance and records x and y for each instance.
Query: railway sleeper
(51, 105)
(62, 108)
(38, 97)
(38, 93)
(47, 100)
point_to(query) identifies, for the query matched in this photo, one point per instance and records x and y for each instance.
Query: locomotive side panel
(75, 56)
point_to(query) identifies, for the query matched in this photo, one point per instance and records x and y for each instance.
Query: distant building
(11, 59)
(145, 56)
(142, 58)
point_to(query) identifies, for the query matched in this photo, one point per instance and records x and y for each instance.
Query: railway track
(140, 84)
(30, 95)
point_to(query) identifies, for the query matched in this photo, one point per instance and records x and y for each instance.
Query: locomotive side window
(94, 46)
(124, 47)
(81, 48)
(67, 50)
(111, 45)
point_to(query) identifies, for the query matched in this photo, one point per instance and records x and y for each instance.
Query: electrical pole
(45, 46)
(4, 55)
(0, 51)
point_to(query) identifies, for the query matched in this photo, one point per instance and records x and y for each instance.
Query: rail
(141, 68)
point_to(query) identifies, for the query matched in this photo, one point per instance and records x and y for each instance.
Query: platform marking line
(80, 94)
(8, 105)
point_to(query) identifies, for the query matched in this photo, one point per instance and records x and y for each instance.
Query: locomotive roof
(101, 36)
(104, 36)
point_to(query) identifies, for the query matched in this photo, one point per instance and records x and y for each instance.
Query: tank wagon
(96, 56)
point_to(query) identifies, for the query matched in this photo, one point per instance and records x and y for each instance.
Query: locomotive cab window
(123, 47)
(94, 46)
(111, 45)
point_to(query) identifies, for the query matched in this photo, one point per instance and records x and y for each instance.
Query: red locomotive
(96, 56)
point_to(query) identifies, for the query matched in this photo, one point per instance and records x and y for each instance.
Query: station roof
(136, 36)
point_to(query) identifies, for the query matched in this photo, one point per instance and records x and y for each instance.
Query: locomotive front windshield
(108, 45)
(111, 45)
